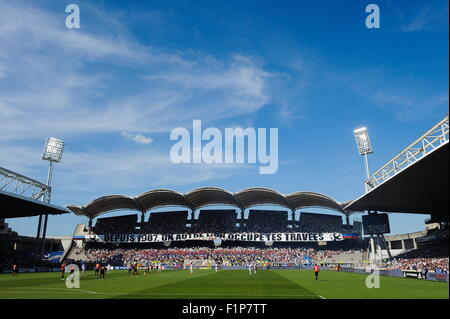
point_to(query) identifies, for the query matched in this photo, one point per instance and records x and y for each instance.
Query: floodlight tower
(365, 148)
(53, 151)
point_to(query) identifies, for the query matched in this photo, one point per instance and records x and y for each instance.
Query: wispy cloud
(425, 19)
(70, 84)
(75, 79)
(405, 96)
(137, 138)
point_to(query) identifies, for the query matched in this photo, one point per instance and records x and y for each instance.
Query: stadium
(211, 243)
(169, 155)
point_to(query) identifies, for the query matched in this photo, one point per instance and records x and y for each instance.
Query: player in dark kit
(102, 272)
(316, 271)
(63, 270)
(14, 270)
(130, 268)
(135, 270)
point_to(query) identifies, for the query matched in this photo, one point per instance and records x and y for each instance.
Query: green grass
(226, 284)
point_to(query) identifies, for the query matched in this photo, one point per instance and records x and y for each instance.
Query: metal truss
(21, 185)
(427, 143)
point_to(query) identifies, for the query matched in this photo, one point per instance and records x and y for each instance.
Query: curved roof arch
(161, 197)
(312, 199)
(205, 196)
(77, 210)
(109, 203)
(261, 196)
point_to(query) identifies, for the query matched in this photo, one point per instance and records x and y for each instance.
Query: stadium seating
(116, 225)
(314, 222)
(266, 221)
(216, 221)
(166, 223)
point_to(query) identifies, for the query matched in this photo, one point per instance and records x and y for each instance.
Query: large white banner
(259, 237)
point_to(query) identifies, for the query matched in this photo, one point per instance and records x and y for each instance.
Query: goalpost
(198, 264)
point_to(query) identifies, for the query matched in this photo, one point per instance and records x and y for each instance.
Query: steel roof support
(434, 138)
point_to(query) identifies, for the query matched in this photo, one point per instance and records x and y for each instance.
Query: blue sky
(115, 88)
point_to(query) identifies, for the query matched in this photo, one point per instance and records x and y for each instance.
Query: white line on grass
(65, 289)
(203, 294)
(160, 294)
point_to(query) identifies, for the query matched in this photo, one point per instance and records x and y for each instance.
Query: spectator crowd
(437, 265)
(236, 256)
(241, 256)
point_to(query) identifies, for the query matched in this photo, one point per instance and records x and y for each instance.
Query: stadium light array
(364, 148)
(53, 150)
(363, 141)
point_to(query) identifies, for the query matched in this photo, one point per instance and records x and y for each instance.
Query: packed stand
(437, 265)
(216, 221)
(116, 225)
(166, 223)
(265, 221)
(237, 256)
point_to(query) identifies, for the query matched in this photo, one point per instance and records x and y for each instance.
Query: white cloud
(137, 138)
(56, 81)
(97, 82)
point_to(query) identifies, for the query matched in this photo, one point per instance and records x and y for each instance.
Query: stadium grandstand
(266, 221)
(111, 225)
(352, 250)
(21, 196)
(246, 232)
(206, 196)
(320, 222)
(166, 222)
(219, 220)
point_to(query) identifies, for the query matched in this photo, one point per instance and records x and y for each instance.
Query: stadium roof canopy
(414, 181)
(420, 189)
(15, 206)
(21, 196)
(204, 196)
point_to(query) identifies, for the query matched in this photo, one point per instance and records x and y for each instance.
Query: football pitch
(225, 284)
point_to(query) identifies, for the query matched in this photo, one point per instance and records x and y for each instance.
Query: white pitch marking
(65, 289)
(161, 294)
